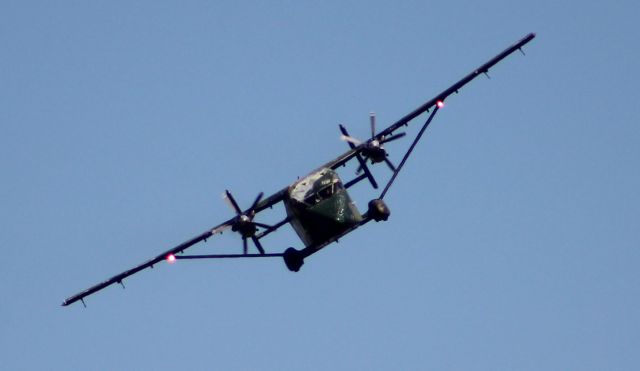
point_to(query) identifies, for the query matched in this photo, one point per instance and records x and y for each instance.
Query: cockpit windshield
(316, 187)
(322, 194)
(326, 192)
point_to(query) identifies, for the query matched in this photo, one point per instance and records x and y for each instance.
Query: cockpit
(316, 187)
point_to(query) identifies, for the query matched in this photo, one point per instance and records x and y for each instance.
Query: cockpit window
(322, 194)
(311, 200)
(326, 192)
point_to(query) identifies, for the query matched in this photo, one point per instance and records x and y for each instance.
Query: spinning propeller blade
(256, 202)
(256, 241)
(363, 162)
(349, 139)
(243, 222)
(372, 149)
(372, 120)
(231, 201)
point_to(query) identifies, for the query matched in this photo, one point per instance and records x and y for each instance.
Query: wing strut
(229, 256)
(406, 155)
(119, 277)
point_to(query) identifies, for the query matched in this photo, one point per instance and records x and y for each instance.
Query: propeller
(243, 222)
(373, 148)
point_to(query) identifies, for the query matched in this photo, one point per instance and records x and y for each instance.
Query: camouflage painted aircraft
(318, 206)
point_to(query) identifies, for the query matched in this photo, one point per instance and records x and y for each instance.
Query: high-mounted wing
(484, 69)
(150, 263)
(259, 205)
(434, 103)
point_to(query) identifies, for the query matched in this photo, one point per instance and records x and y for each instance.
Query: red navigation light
(171, 258)
(440, 104)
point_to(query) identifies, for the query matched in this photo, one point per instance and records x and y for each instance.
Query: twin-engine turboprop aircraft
(318, 206)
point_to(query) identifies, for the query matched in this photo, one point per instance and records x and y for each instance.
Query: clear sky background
(514, 235)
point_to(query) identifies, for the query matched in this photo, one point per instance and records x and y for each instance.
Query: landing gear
(378, 210)
(293, 259)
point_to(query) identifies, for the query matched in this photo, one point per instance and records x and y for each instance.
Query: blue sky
(513, 240)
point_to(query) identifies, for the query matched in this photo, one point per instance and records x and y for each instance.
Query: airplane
(318, 206)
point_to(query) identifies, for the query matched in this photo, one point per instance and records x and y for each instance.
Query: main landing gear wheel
(293, 259)
(378, 210)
